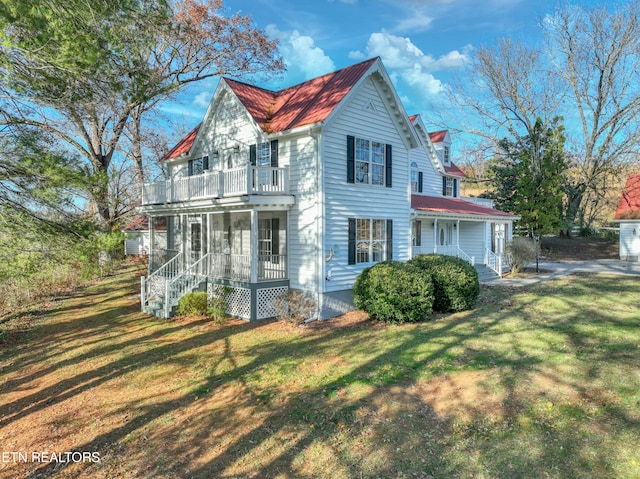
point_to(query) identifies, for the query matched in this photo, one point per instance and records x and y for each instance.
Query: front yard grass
(537, 382)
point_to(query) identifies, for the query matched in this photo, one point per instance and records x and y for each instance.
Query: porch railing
(155, 283)
(218, 184)
(238, 266)
(494, 262)
(230, 266)
(185, 282)
(447, 250)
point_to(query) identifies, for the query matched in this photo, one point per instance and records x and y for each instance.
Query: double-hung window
(449, 186)
(370, 240)
(369, 162)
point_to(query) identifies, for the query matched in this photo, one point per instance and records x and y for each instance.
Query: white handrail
(469, 259)
(494, 262)
(185, 282)
(156, 281)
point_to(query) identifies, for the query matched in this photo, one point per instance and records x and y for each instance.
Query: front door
(195, 241)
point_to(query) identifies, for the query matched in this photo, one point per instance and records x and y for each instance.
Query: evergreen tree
(528, 178)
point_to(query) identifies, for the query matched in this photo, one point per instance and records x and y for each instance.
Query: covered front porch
(468, 228)
(243, 251)
(479, 242)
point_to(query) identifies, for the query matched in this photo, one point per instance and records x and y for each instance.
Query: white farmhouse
(304, 188)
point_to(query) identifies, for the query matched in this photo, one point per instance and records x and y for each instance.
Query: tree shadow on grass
(350, 402)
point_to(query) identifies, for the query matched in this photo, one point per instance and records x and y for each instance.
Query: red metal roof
(629, 204)
(304, 104)
(453, 170)
(436, 204)
(438, 136)
(139, 224)
(183, 146)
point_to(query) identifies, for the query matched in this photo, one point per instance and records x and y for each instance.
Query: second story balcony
(249, 180)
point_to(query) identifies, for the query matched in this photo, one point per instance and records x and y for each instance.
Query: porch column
(458, 233)
(254, 246)
(435, 235)
(152, 246)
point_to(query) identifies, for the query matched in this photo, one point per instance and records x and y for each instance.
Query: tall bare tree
(587, 71)
(596, 53)
(85, 71)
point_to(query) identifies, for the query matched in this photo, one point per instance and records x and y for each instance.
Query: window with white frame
(370, 161)
(198, 166)
(449, 187)
(414, 177)
(370, 240)
(446, 154)
(264, 154)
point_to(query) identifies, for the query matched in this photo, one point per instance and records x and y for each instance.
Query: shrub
(455, 282)
(218, 305)
(521, 251)
(293, 306)
(394, 292)
(193, 303)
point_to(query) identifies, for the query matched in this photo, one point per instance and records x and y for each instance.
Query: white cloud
(409, 63)
(302, 57)
(418, 21)
(202, 99)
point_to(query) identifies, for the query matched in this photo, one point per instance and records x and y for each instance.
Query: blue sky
(422, 43)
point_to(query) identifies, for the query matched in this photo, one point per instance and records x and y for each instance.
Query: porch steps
(485, 273)
(155, 306)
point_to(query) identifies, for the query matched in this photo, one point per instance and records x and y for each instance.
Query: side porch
(240, 253)
(480, 242)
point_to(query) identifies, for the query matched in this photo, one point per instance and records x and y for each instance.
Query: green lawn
(537, 382)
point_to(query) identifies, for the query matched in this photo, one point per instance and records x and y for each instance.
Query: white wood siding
(431, 181)
(473, 239)
(629, 242)
(364, 116)
(305, 215)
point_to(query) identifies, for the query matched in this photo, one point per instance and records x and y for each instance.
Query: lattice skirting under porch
(245, 301)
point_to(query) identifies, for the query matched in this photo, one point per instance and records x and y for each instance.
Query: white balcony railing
(218, 184)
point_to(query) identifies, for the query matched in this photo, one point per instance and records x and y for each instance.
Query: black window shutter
(389, 240)
(455, 188)
(253, 153)
(274, 153)
(388, 161)
(444, 186)
(419, 181)
(351, 160)
(205, 163)
(418, 233)
(190, 168)
(352, 241)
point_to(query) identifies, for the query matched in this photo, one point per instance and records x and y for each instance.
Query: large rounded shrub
(394, 292)
(455, 282)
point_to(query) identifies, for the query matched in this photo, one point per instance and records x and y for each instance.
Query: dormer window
(446, 155)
